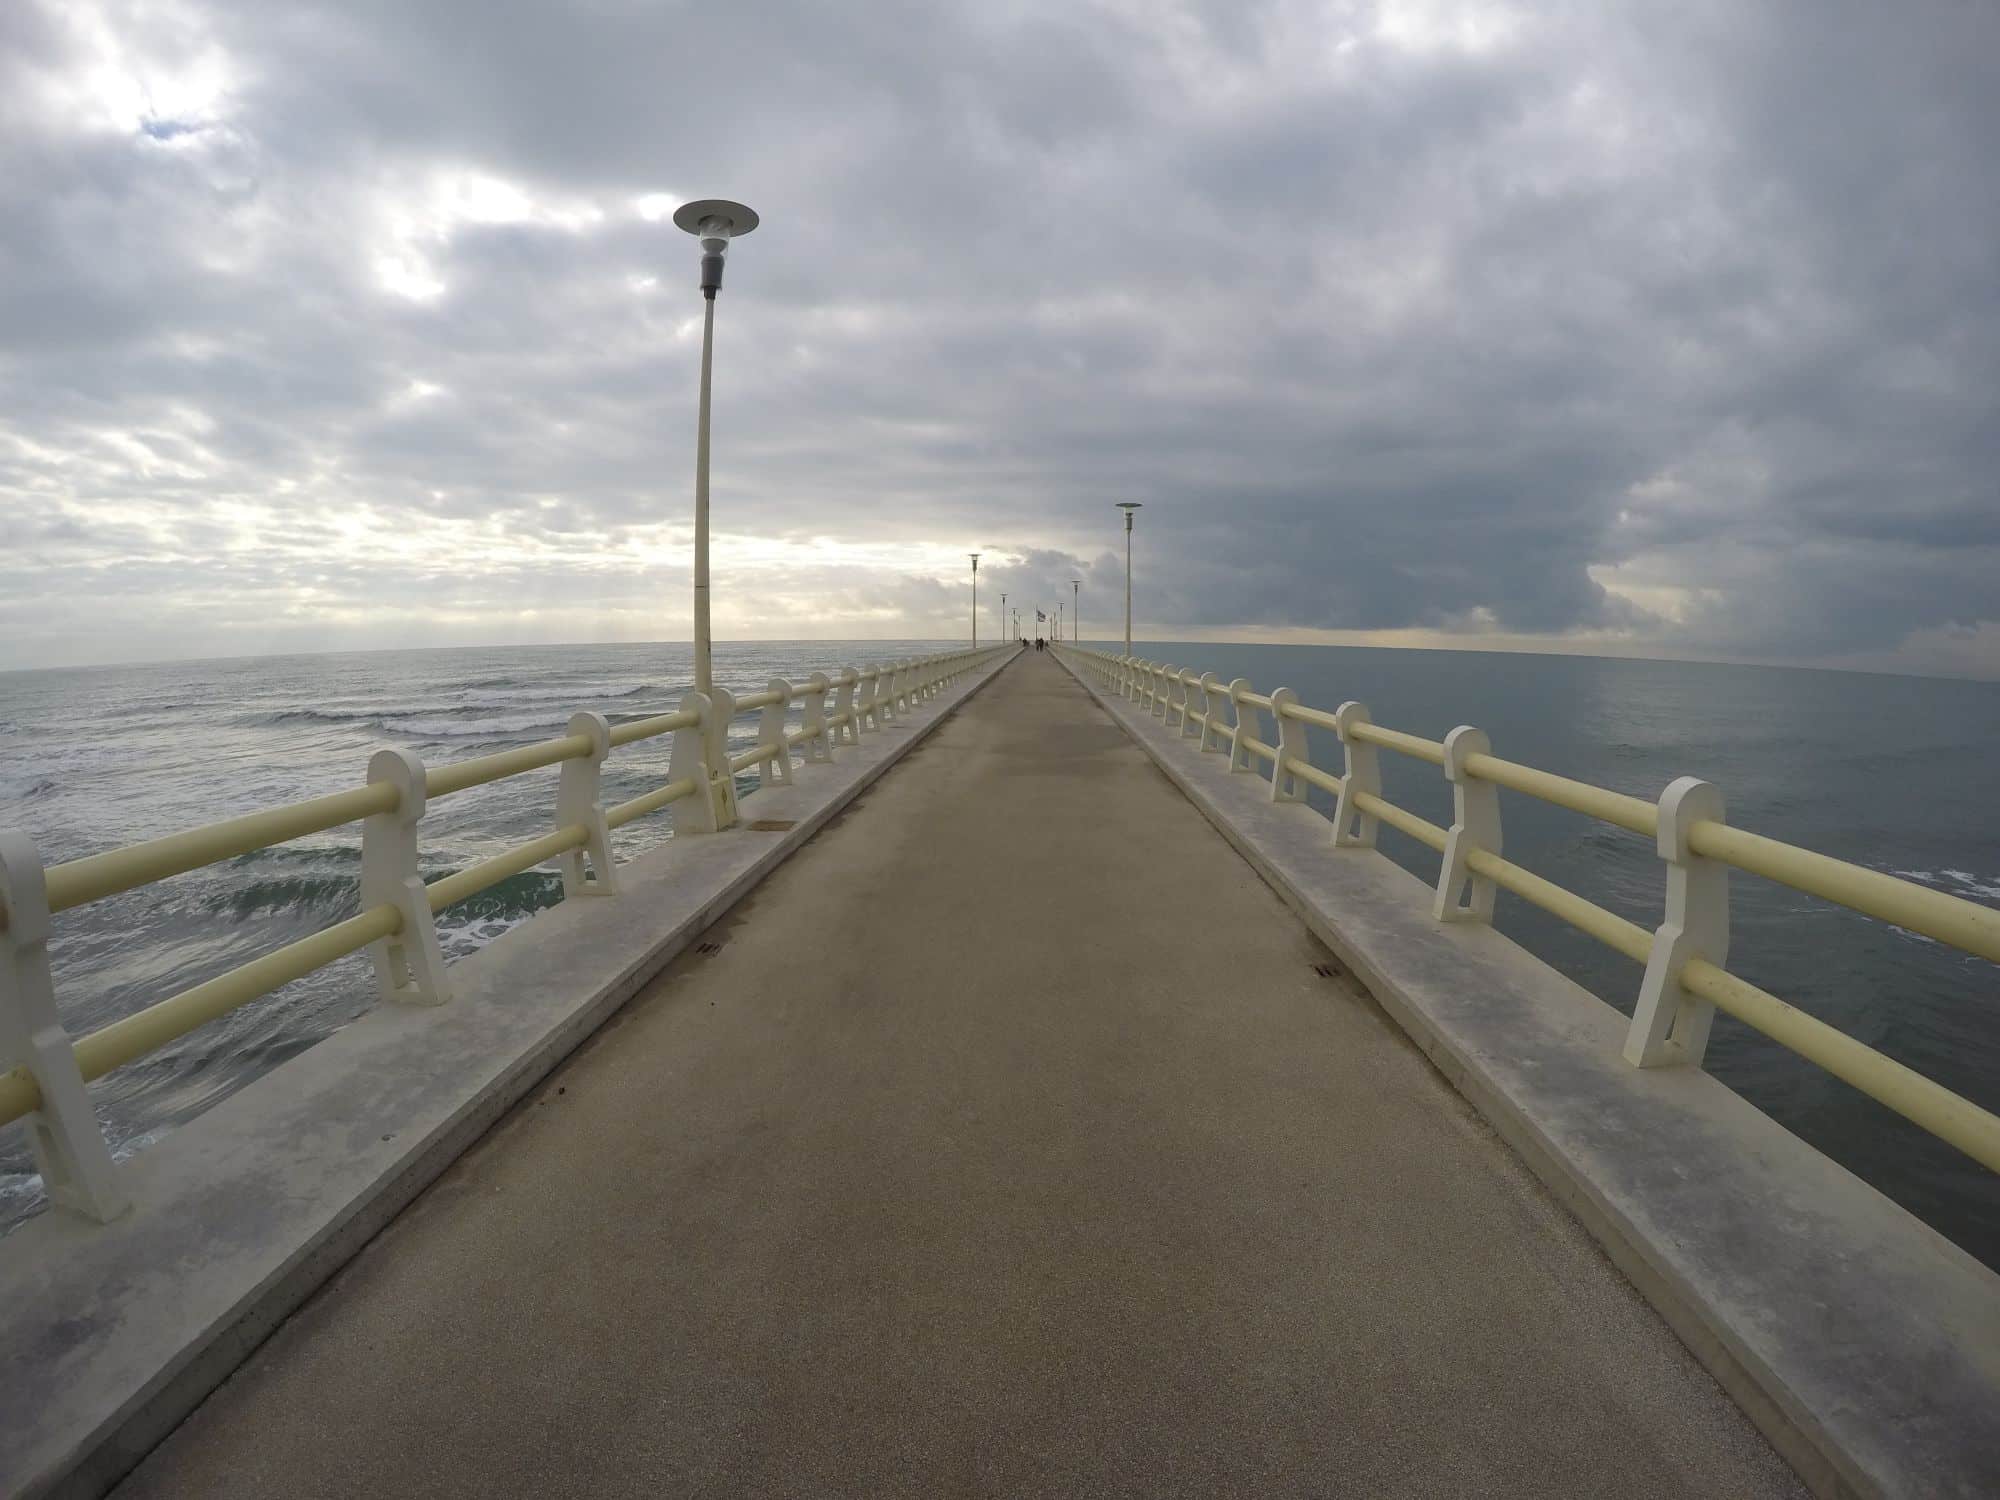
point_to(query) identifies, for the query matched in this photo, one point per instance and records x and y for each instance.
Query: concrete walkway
(1010, 1142)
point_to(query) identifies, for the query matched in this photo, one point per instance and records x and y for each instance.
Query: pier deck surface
(1010, 1143)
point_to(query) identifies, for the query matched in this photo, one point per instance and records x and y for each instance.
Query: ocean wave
(282, 893)
(309, 716)
(21, 788)
(335, 894)
(573, 695)
(442, 727)
(1956, 883)
(513, 900)
(497, 713)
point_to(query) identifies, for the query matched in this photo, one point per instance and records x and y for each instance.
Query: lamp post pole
(715, 222)
(1003, 610)
(1128, 506)
(975, 599)
(1075, 610)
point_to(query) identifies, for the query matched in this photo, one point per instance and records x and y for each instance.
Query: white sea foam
(1956, 883)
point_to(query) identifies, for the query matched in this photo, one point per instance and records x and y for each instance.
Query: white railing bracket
(70, 1152)
(1670, 1026)
(1461, 895)
(589, 869)
(1361, 776)
(409, 965)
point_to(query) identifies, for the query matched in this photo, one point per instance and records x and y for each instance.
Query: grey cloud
(1699, 299)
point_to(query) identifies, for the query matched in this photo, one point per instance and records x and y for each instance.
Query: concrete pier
(1013, 1137)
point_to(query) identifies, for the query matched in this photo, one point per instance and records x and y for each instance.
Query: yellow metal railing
(884, 692)
(1964, 925)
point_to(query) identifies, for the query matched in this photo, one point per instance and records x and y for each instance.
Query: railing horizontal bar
(653, 801)
(99, 875)
(1305, 770)
(1578, 796)
(758, 700)
(1406, 744)
(1949, 919)
(1306, 715)
(798, 734)
(148, 1030)
(1260, 699)
(1407, 822)
(490, 872)
(459, 775)
(1607, 927)
(645, 729)
(1268, 752)
(1929, 1105)
(753, 755)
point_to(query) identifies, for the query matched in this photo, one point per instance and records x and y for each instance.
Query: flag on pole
(1039, 617)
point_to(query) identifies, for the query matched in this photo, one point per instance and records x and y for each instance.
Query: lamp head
(714, 222)
(1128, 506)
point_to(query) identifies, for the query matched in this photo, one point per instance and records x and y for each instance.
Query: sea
(1894, 773)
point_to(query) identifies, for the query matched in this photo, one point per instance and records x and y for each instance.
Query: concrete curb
(110, 1335)
(1862, 1343)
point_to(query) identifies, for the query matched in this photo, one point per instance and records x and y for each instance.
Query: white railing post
(700, 753)
(866, 714)
(906, 670)
(409, 965)
(1286, 786)
(885, 693)
(1475, 824)
(1669, 1025)
(777, 771)
(1211, 732)
(1187, 691)
(1353, 828)
(1162, 691)
(817, 746)
(715, 749)
(1243, 726)
(70, 1151)
(589, 869)
(845, 725)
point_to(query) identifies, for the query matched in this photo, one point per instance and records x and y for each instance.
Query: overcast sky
(1669, 329)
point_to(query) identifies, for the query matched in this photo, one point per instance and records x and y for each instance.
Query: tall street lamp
(1075, 610)
(1003, 612)
(715, 222)
(975, 599)
(1128, 506)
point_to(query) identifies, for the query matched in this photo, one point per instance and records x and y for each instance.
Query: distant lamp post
(1075, 610)
(1128, 506)
(1003, 611)
(975, 599)
(715, 222)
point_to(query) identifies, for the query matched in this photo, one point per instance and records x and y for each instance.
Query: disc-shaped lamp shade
(715, 222)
